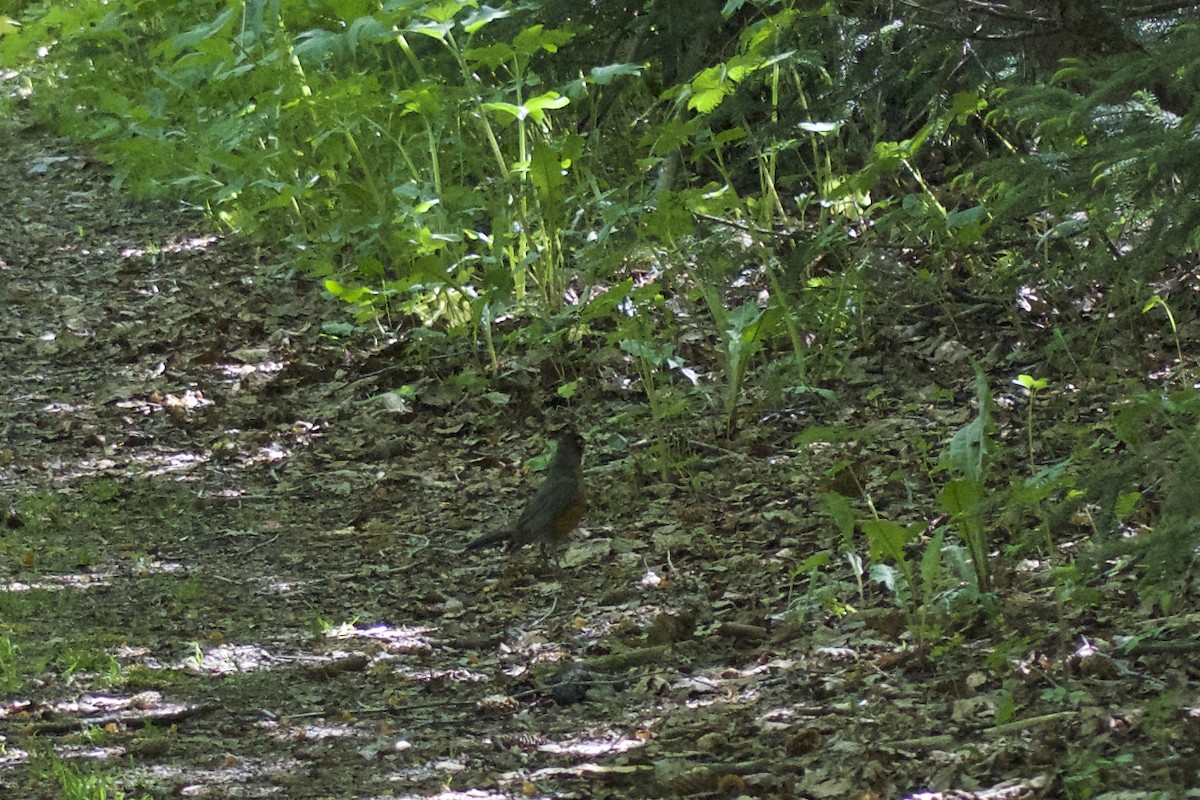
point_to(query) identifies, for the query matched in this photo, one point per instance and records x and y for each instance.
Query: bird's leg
(548, 562)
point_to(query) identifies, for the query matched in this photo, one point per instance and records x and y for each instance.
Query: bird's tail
(488, 539)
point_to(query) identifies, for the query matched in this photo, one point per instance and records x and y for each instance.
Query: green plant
(845, 519)
(88, 659)
(101, 491)
(1157, 301)
(742, 333)
(319, 626)
(818, 595)
(1032, 385)
(196, 658)
(967, 459)
(653, 362)
(1089, 774)
(41, 511)
(183, 595)
(1158, 434)
(929, 591)
(13, 673)
(1049, 496)
(915, 590)
(76, 780)
(945, 576)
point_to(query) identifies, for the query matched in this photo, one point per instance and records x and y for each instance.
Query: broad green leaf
(607, 74)
(655, 353)
(477, 19)
(536, 37)
(493, 55)
(843, 514)
(887, 539)
(422, 101)
(815, 561)
(731, 7)
(507, 112)
(962, 497)
(367, 29)
(445, 11)
(191, 38)
(434, 30)
(884, 574)
(967, 216)
(1031, 383)
(729, 135)
(670, 219)
(964, 105)
(1126, 502)
(603, 304)
(536, 107)
(546, 172)
(931, 560)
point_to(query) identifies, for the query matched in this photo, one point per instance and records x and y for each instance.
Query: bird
(555, 510)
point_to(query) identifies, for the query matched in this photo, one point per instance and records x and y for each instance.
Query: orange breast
(572, 515)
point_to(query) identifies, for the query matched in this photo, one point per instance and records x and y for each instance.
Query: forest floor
(232, 564)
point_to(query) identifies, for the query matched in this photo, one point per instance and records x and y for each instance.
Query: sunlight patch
(591, 747)
(54, 583)
(228, 659)
(397, 639)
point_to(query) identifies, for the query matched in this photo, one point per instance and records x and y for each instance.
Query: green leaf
(602, 305)
(705, 100)
(492, 56)
(671, 218)
(731, 7)
(919, 205)
(729, 135)
(607, 74)
(964, 105)
(434, 30)
(422, 101)
(535, 107)
(931, 561)
(535, 38)
(968, 446)
(655, 353)
(813, 562)
(366, 29)
(968, 216)
(477, 19)
(1126, 502)
(189, 39)
(315, 45)
(507, 112)
(351, 294)
(546, 175)
(1153, 302)
(884, 574)
(887, 539)
(962, 497)
(1031, 383)
(843, 514)
(446, 11)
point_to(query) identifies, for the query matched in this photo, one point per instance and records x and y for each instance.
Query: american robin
(556, 509)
